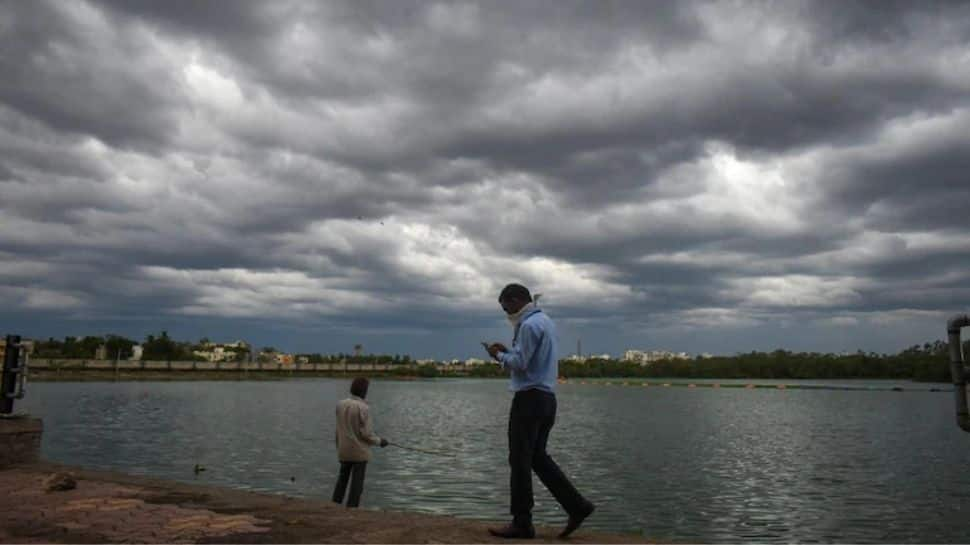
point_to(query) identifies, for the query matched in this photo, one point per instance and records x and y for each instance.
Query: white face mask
(516, 316)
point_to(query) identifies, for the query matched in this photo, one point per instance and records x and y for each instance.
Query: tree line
(162, 347)
(154, 347)
(927, 362)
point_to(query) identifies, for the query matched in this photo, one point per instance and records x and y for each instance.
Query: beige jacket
(355, 432)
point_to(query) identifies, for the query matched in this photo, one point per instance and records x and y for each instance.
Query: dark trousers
(530, 420)
(348, 469)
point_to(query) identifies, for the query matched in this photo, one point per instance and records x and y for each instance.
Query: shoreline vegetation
(164, 358)
(927, 363)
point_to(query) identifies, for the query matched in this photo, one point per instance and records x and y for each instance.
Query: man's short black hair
(517, 291)
(359, 387)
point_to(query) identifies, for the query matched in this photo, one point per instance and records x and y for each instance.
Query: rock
(59, 482)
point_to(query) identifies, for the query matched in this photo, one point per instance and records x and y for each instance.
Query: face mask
(516, 316)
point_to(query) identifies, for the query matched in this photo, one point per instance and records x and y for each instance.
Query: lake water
(677, 464)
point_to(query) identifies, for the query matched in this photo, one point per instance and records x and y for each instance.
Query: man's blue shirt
(534, 357)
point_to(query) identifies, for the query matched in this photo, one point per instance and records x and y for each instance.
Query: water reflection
(678, 464)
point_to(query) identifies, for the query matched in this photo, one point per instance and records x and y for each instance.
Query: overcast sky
(696, 176)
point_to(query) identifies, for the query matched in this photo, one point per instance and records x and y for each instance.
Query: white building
(215, 352)
(590, 357)
(136, 352)
(645, 357)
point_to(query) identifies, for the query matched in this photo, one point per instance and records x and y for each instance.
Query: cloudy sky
(697, 176)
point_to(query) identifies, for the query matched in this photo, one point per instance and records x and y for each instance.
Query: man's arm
(522, 350)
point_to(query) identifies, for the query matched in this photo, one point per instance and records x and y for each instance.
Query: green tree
(119, 347)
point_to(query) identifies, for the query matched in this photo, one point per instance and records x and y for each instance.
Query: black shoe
(514, 532)
(576, 520)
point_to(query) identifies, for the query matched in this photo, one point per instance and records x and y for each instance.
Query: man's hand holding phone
(494, 349)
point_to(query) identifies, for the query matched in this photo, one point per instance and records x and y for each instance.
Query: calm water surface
(676, 464)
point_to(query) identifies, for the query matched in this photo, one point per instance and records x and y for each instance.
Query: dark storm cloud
(388, 166)
(93, 78)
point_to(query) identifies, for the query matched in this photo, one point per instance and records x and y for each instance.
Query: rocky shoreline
(52, 503)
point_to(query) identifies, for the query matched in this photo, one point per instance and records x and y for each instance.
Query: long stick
(415, 449)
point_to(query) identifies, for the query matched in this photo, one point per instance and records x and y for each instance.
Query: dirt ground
(108, 507)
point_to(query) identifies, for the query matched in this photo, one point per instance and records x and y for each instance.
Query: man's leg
(552, 476)
(547, 469)
(523, 433)
(342, 477)
(356, 484)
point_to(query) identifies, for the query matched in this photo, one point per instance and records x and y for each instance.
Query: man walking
(534, 367)
(355, 435)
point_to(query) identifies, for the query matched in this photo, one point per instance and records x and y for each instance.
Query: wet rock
(57, 482)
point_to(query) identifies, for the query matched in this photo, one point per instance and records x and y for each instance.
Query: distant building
(283, 359)
(101, 353)
(583, 359)
(474, 361)
(646, 357)
(443, 363)
(136, 352)
(216, 352)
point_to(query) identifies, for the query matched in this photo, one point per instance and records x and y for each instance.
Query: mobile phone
(485, 344)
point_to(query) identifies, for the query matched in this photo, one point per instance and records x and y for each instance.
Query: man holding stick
(534, 368)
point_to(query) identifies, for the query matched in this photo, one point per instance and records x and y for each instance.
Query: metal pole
(11, 359)
(957, 370)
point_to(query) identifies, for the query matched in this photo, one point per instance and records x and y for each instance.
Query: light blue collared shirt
(534, 357)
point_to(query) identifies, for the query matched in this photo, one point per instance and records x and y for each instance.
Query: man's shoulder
(537, 321)
(350, 402)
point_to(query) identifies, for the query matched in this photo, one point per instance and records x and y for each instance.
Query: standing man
(534, 366)
(355, 435)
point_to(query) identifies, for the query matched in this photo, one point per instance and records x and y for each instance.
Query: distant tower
(579, 347)
(358, 348)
